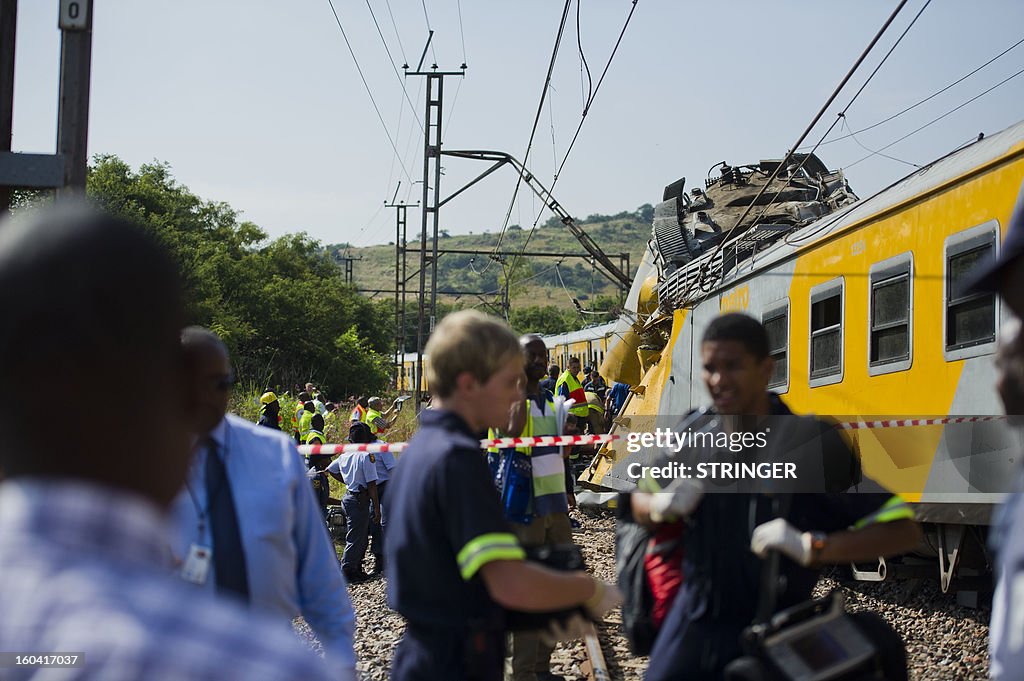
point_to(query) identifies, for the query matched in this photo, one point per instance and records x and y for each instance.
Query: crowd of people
(188, 551)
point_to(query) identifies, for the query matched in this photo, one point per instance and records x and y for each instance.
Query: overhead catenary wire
(846, 125)
(368, 91)
(429, 29)
(559, 273)
(462, 34)
(798, 238)
(398, 133)
(551, 120)
(583, 59)
(455, 98)
(698, 281)
(370, 221)
(586, 109)
(926, 99)
(536, 121)
(841, 116)
(593, 94)
(939, 118)
(394, 24)
(394, 67)
(410, 150)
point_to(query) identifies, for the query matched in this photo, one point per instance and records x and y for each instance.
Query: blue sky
(259, 103)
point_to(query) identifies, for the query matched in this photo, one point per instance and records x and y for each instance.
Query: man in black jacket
(728, 532)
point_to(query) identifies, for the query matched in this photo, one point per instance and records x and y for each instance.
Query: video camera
(813, 641)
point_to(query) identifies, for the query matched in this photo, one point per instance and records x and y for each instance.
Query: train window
(970, 324)
(776, 323)
(826, 341)
(890, 318)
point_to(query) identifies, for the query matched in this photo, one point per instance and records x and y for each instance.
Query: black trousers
(433, 654)
(377, 529)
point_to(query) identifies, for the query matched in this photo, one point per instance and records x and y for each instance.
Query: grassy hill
(535, 282)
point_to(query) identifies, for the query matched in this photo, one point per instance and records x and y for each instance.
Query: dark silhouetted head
(91, 304)
(359, 433)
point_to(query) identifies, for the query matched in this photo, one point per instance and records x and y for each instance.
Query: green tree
(646, 213)
(280, 305)
(520, 275)
(543, 319)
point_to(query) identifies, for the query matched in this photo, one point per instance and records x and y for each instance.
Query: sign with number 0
(74, 15)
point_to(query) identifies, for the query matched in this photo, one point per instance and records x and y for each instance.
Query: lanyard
(202, 512)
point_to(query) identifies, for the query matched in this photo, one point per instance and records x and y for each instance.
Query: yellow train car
(589, 344)
(869, 322)
(407, 374)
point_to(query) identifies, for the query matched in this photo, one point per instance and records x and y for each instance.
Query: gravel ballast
(943, 640)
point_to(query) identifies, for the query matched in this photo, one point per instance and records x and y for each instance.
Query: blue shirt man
(617, 398)
(359, 471)
(289, 557)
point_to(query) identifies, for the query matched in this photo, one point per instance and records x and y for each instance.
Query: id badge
(197, 564)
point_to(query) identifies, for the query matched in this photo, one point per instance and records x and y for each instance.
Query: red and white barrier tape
(903, 423)
(542, 441)
(562, 440)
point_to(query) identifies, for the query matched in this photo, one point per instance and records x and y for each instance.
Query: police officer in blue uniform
(318, 476)
(360, 475)
(384, 462)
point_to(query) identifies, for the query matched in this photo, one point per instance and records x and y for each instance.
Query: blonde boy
(453, 564)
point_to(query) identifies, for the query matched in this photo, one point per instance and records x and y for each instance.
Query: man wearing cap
(270, 411)
(1005, 276)
(595, 384)
(377, 420)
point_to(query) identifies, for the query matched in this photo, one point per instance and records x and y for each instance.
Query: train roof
(589, 333)
(679, 288)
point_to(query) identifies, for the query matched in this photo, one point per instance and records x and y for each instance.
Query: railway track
(943, 640)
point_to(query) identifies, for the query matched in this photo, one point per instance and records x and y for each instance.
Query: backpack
(631, 542)
(635, 547)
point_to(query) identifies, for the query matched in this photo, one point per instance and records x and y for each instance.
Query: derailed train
(868, 319)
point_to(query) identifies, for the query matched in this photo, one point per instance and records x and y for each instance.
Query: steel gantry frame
(431, 200)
